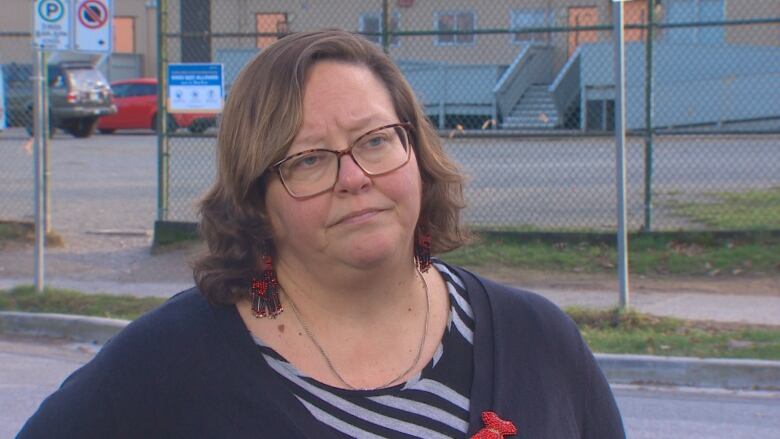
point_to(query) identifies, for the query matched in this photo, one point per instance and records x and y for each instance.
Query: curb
(81, 329)
(619, 369)
(722, 373)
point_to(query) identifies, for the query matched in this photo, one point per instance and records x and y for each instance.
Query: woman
(318, 311)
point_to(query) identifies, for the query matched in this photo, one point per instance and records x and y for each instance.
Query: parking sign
(52, 24)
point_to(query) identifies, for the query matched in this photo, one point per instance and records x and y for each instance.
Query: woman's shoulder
(500, 295)
(184, 320)
(513, 307)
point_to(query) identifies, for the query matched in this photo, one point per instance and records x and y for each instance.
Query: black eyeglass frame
(406, 126)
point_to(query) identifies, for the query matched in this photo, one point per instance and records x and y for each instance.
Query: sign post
(52, 23)
(620, 156)
(40, 121)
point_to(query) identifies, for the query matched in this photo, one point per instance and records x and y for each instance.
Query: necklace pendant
(332, 368)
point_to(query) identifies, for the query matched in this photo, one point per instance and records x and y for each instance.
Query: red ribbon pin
(495, 427)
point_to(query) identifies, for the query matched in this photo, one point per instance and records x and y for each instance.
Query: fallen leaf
(488, 123)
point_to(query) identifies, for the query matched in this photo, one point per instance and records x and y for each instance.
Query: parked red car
(136, 102)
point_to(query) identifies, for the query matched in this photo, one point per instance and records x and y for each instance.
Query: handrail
(531, 66)
(566, 87)
(513, 68)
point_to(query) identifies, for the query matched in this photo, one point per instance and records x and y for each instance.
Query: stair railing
(566, 87)
(533, 65)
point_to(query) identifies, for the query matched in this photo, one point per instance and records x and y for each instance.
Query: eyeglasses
(314, 171)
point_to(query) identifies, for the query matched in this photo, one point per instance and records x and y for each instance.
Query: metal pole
(620, 140)
(162, 139)
(386, 26)
(649, 115)
(38, 133)
(45, 135)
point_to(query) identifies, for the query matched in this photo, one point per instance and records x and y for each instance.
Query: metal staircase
(535, 110)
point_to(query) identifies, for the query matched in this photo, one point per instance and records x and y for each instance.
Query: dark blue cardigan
(190, 369)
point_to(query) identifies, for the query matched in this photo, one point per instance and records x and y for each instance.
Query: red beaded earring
(265, 292)
(422, 250)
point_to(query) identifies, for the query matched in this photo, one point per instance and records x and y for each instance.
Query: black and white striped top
(433, 404)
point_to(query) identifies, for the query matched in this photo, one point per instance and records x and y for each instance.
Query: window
(270, 23)
(687, 11)
(635, 13)
(145, 90)
(530, 18)
(371, 23)
(124, 34)
(121, 90)
(457, 22)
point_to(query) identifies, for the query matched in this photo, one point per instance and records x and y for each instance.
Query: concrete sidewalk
(759, 310)
(620, 369)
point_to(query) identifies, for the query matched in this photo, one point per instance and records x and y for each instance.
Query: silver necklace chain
(330, 363)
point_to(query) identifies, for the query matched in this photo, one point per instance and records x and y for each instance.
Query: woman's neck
(350, 293)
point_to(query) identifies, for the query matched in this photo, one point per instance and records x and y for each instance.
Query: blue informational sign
(195, 88)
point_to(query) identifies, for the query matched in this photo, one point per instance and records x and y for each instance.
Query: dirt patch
(746, 284)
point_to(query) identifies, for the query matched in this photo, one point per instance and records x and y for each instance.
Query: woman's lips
(359, 216)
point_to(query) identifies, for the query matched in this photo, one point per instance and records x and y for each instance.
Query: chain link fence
(523, 95)
(522, 92)
(16, 169)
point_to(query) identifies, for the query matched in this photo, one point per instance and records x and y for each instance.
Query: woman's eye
(375, 141)
(307, 161)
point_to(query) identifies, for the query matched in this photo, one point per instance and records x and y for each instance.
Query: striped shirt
(432, 404)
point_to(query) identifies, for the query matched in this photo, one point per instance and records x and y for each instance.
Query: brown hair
(260, 120)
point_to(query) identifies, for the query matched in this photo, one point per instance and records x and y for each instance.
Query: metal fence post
(442, 96)
(162, 138)
(386, 26)
(649, 115)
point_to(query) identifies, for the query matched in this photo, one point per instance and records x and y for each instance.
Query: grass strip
(749, 210)
(61, 301)
(613, 331)
(605, 330)
(651, 254)
(25, 232)
(14, 231)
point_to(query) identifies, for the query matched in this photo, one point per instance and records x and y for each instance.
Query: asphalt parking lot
(540, 182)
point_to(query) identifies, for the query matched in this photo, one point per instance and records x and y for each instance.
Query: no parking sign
(92, 26)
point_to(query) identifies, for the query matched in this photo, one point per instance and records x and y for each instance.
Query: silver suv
(78, 95)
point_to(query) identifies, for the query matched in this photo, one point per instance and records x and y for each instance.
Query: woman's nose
(351, 177)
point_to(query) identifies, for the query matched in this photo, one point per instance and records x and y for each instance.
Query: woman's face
(362, 221)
